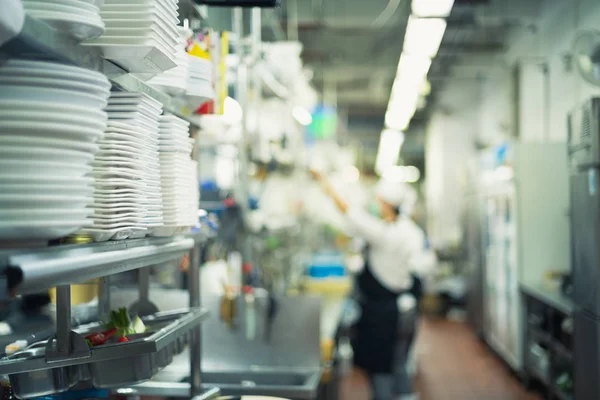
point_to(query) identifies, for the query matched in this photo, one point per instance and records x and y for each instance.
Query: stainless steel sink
(288, 384)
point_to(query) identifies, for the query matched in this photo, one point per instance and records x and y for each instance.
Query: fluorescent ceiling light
(398, 120)
(424, 36)
(302, 115)
(432, 8)
(413, 68)
(390, 144)
(401, 108)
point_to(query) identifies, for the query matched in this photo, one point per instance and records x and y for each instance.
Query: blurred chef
(394, 247)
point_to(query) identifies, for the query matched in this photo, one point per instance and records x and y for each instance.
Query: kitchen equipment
(584, 157)
(521, 237)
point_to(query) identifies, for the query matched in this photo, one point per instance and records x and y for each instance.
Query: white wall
(547, 89)
(450, 136)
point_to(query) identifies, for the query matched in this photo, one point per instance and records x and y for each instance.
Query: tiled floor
(453, 365)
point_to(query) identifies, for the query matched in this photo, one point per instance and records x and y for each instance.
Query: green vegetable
(122, 322)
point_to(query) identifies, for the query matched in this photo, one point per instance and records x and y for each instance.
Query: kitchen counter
(549, 296)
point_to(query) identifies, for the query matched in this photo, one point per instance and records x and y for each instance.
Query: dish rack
(65, 360)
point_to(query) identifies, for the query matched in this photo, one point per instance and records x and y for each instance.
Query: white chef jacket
(395, 247)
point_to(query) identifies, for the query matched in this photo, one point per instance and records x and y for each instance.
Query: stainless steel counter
(551, 297)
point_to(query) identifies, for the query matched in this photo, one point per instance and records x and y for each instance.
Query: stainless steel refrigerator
(584, 162)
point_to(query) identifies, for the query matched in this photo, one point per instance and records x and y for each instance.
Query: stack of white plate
(175, 80)
(78, 17)
(140, 35)
(178, 174)
(127, 195)
(199, 82)
(50, 121)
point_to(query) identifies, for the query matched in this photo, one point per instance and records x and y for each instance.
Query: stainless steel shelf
(167, 389)
(38, 40)
(158, 341)
(34, 270)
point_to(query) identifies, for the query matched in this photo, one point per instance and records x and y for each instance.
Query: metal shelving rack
(30, 270)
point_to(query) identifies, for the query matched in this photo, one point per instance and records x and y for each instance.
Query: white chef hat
(398, 195)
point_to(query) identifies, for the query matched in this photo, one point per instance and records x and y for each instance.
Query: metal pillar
(196, 339)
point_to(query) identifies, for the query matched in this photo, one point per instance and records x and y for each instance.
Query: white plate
(42, 179)
(47, 214)
(25, 153)
(134, 98)
(52, 108)
(54, 83)
(79, 27)
(158, 15)
(16, 140)
(28, 229)
(119, 183)
(42, 168)
(45, 201)
(41, 72)
(78, 8)
(94, 99)
(50, 68)
(53, 118)
(24, 188)
(89, 5)
(50, 130)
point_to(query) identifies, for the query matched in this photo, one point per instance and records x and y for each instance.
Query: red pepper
(123, 339)
(99, 338)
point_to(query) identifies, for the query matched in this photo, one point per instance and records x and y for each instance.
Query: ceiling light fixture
(432, 8)
(413, 68)
(388, 153)
(424, 36)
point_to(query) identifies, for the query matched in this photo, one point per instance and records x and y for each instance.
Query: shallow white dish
(52, 108)
(41, 71)
(66, 6)
(79, 27)
(94, 99)
(10, 152)
(55, 67)
(128, 97)
(46, 188)
(118, 183)
(50, 130)
(45, 201)
(54, 83)
(43, 168)
(44, 214)
(32, 229)
(17, 140)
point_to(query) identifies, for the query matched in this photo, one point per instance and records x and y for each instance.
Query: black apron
(376, 331)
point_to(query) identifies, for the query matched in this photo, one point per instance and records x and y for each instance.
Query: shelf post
(196, 339)
(63, 320)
